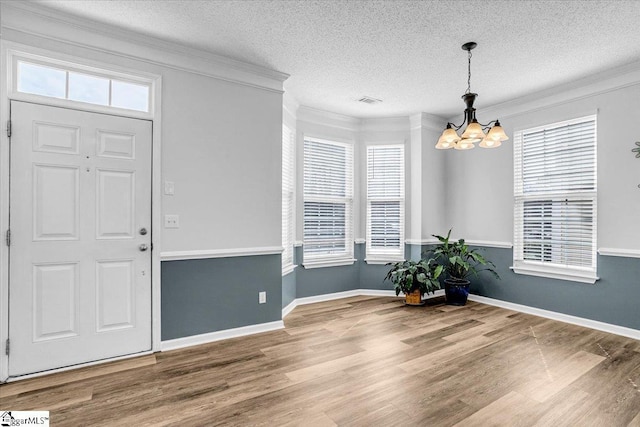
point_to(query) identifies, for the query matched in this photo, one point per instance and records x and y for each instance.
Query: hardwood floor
(363, 361)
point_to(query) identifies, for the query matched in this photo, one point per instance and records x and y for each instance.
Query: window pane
(130, 96)
(41, 80)
(84, 88)
(384, 225)
(325, 228)
(326, 169)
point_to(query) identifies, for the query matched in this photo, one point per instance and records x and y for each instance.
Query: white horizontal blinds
(385, 202)
(555, 194)
(559, 231)
(288, 189)
(560, 159)
(328, 200)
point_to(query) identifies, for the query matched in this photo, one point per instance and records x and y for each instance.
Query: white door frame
(7, 51)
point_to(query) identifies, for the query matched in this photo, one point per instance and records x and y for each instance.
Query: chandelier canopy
(474, 132)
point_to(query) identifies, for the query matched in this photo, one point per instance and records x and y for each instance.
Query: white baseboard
(272, 326)
(561, 317)
(289, 308)
(220, 335)
(346, 294)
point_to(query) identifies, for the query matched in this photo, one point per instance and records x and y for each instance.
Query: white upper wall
(221, 128)
(222, 149)
(480, 182)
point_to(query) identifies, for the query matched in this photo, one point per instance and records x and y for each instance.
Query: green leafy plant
(407, 276)
(458, 260)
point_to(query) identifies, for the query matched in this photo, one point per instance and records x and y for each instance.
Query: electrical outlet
(262, 297)
(171, 221)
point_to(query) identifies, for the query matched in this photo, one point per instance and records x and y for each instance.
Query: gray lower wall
(288, 288)
(360, 275)
(612, 299)
(326, 280)
(208, 295)
(202, 296)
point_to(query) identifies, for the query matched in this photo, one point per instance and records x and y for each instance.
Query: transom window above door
(42, 77)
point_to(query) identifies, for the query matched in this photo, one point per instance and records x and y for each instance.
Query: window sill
(328, 263)
(556, 273)
(288, 270)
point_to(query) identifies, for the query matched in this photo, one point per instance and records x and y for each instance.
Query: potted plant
(459, 263)
(414, 279)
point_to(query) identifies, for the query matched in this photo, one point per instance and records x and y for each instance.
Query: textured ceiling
(406, 53)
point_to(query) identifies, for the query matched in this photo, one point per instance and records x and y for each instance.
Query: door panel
(54, 138)
(116, 204)
(116, 294)
(55, 288)
(80, 287)
(55, 203)
(117, 145)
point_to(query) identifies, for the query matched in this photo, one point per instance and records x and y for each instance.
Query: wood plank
(561, 376)
(510, 410)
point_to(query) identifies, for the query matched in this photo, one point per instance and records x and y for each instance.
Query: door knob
(143, 247)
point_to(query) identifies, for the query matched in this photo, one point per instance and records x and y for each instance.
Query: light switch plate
(169, 188)
(262, 297)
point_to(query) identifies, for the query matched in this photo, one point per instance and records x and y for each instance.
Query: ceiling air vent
(369, 100)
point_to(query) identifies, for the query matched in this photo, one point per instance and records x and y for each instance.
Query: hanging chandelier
(474, 132)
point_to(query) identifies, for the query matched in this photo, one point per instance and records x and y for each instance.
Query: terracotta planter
(414, 298)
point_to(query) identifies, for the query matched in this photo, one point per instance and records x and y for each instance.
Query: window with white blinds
(555, 200)
(385, 203)
(288, 191)
(328, 203)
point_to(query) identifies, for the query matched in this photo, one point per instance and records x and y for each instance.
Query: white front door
(80, 220)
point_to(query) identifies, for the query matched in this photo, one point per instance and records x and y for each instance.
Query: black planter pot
(456, 291)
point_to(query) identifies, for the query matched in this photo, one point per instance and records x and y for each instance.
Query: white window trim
(572, 274)
(14, 56)
(342, 259)
(380, 257)
(288, 267)
(540, 269)
(335, 262)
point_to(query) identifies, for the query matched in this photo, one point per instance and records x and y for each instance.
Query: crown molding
(586, 87)
(327, 118)
(24, 20)
(386, 124)
(427, 121)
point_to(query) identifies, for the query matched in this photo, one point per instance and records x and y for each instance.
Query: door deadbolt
(143, 231)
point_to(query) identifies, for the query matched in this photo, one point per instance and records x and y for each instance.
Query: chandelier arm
(457, 127)
(488, 125)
